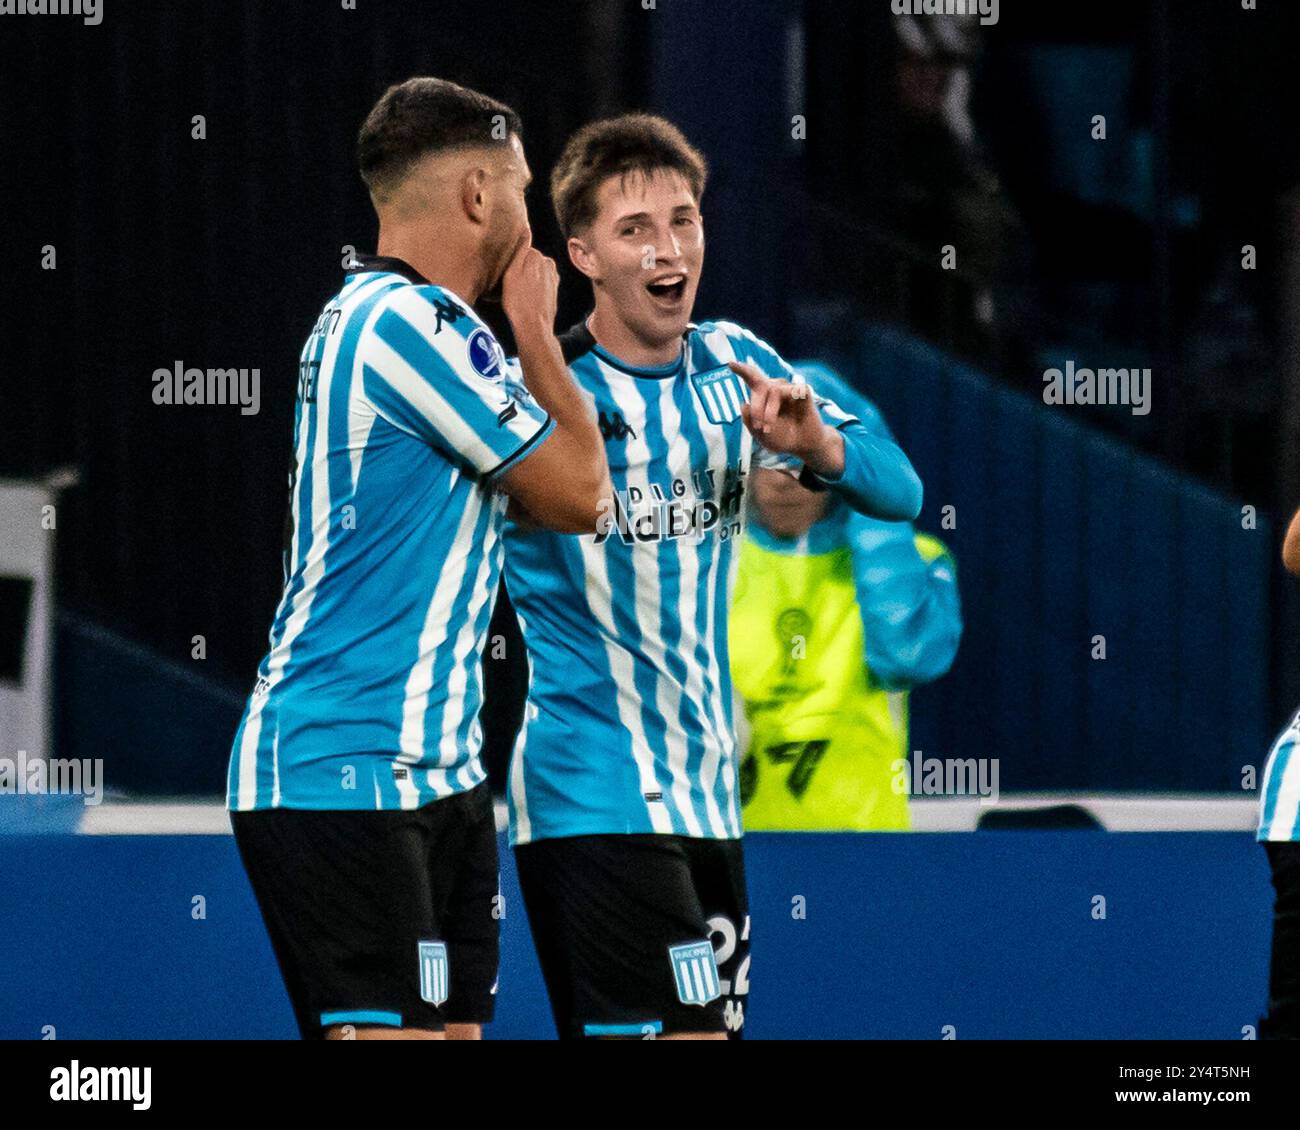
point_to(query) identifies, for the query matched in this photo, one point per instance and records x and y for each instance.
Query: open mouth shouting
(668, 290)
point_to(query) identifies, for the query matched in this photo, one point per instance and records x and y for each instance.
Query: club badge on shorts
(433, 972)
(696, 972)
(721, 392)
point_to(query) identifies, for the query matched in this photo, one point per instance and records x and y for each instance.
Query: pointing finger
(750, 374)
(772, 405)
(758, 398)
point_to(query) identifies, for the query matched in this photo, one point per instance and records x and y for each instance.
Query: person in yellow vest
(834, 617)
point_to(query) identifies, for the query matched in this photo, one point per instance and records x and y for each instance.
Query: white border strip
(1116, 812)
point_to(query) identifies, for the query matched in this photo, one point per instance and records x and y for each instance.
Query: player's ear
(473, 193)
(580, 256)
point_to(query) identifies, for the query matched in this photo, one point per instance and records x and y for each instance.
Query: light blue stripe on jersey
(1279, 813)
(370, 693)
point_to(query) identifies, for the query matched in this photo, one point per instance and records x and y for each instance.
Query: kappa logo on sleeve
(447, 311)
(485, 356)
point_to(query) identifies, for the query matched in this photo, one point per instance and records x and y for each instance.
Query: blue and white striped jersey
(628, 726)
(1279, 804)
(369, 696)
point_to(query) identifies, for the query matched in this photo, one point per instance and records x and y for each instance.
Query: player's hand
(530, 290)
(783, 417)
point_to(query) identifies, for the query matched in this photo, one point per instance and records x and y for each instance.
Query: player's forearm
(870, 473)
(548, 379)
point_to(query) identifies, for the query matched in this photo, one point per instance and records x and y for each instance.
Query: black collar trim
(579, 340)
(387, 264)
(576, 341)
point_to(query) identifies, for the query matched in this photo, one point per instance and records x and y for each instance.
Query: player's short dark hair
(631, 143)
(422, 116)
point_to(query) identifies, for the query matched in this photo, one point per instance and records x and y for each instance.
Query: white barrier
(28, 526)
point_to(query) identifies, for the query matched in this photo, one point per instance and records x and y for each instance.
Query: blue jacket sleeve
(878, 479)
(906, 583)
(908, 599)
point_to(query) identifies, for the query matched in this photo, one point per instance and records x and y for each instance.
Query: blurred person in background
(835, 616)
(944, 192)
(1279, 832)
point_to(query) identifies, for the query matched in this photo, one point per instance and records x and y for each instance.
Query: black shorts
(380, 918)
(1283, 1019)
(639, 935)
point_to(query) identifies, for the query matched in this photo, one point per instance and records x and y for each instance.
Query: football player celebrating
(622, 788)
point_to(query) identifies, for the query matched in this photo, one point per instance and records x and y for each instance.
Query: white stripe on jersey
(467, 637)
(275, 770)
(1286, 812)
(349, 298)
(679, 467)
(432, 636)
(517, 791)
(720, 760)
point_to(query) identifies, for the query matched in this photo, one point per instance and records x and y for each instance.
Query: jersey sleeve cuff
(548, 426)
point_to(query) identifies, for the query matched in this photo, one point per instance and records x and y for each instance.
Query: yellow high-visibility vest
(822, 738)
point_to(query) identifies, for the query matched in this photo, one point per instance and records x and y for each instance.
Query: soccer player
(622, 788)
(360, 808)
(1279, 832)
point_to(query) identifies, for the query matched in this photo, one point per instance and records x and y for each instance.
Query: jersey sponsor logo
(688, 509)
(434, 974)
(485, 355)
(508, 413)
(613, 426)
(721, 393)
(696, 972)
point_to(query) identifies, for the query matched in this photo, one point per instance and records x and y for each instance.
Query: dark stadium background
(220, 252)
